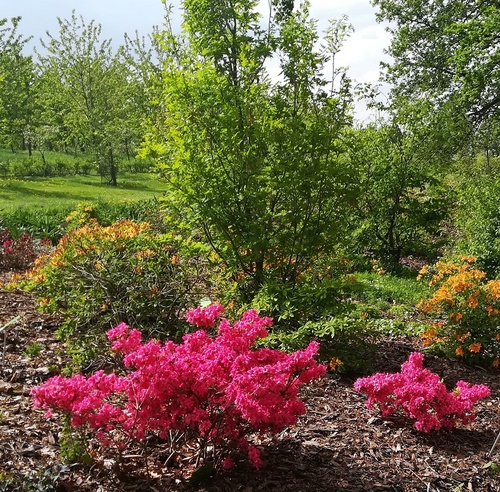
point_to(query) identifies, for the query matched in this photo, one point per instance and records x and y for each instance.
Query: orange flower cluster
(462, 337)
(428, 337)
(454, 280)
(432, 336)
(493, 288)
(81, 241)
(469, 304)
(492, 311)
(147, 253)
(464, 275)
(335, 363)
(441, 296)
(475, 347)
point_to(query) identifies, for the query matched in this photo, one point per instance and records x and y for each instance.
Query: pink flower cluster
(218, 389)
(205, 317)
(421, 395)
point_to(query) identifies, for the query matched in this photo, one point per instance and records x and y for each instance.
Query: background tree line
(274, 171)
(76, 94)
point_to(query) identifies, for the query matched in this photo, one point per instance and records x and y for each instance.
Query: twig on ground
(4, 329)
(494, 445)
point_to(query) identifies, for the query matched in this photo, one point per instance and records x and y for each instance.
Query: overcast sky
(362, 53)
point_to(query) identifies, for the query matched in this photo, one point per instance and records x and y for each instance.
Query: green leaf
(205, 302)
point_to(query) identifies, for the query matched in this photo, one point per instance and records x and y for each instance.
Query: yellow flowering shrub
(466, 306)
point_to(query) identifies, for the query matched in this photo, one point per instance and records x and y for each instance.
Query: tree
(143, 57)
(256, 163)
(401, 200)
(445, 51)
(84, 86)
(17, 86)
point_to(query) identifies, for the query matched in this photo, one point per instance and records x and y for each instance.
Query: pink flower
(254, 457)
(421, 395)
(227, 464)
(205, 317)
(218, 388)
(124, 339)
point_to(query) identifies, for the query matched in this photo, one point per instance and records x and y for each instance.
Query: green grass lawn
(63, 192)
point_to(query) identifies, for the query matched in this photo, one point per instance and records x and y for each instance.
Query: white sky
(362, 52)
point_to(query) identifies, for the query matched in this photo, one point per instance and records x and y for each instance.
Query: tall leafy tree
(143, 57)
(17, 86)
(85, 85)
(256, 162)
(446, 51)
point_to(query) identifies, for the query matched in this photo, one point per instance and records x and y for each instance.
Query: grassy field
(63, 192)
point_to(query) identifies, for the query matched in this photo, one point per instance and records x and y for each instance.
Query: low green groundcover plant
(210, 392)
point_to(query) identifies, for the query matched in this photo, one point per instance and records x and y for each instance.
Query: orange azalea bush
(466, 306)
(99, 276)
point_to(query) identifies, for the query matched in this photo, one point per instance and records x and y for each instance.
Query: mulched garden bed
(338, 445)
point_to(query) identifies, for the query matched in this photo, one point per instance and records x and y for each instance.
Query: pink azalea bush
(421, 395)
(216, 390)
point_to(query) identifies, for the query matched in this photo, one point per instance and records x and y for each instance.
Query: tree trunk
(112, 169)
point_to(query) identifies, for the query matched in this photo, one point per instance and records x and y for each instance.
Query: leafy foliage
(17, 86)
(83, 87)
(401, 197)
(445, 52)
(349, 340)
(256, 164)
(478, 222)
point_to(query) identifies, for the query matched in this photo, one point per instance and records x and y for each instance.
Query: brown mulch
(338, 445)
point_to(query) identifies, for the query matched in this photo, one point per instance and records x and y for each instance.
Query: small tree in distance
(84, 85)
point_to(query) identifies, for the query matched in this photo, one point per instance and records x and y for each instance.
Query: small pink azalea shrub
(216, 390)
(421, 395)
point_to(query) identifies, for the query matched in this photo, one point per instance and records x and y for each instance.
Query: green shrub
(107, 213)
(20, 164)
(136, 165)
(317, 292)
(99, 276)
(4, 168)
(478, 221)
(319, 307)
(39, 223)
(52, 223)
(348, 341)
